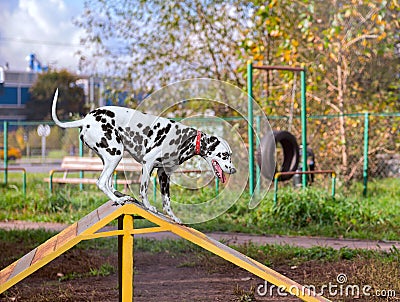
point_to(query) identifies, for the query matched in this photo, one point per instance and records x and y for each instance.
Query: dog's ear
(212, 143)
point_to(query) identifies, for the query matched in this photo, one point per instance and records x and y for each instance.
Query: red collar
(198, 145)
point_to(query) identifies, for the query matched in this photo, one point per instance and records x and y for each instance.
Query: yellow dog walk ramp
(88, 227)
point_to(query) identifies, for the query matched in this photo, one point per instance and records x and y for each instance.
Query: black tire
(290, 153)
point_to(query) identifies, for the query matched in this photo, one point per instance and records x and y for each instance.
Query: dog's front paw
(151, 208)
(123, 200)
(176, 219)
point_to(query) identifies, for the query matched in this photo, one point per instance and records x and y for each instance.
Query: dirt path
(235, 238)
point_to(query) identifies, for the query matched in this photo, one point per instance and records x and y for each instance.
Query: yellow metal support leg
(126, 258)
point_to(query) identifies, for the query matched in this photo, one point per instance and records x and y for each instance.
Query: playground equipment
(302, 72)
(90, 227)
(290, 153)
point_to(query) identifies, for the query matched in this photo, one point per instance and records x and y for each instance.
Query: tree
(347, 48)
(71, 98)
(164, 41)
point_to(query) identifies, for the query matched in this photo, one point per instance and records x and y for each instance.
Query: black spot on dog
(113, 151)
(138, 138)
(88, 126)
(103, 143)
(148, 131)
(110, 113)
(98, 118)
(140, 125)
(106, 127)
(108, 135)
(214, 143)
(98, 112)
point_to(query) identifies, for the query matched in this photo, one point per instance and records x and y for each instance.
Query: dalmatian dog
(154, 142)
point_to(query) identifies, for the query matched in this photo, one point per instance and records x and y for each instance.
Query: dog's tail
(73, 124)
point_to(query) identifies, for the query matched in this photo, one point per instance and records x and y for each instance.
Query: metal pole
(5, 129)
(366, 143)
(258, 172)
(24, 182)
(250, 125)
(154, 188)
(81, 174)
(125, 258)
(276, 188)
(43, 148)
(304, 125)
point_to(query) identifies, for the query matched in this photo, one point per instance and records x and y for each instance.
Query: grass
(314, 212)
(311, 212)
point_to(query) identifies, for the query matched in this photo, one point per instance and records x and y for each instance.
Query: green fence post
(276, 189)
(115, 180)
(24, 182)
(81, 174)
(250, 123)
(154, 188)
(304, 125)
(5, 129)
(366, 143)
(258, 172)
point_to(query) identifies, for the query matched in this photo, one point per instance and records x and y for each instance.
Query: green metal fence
(369, 148)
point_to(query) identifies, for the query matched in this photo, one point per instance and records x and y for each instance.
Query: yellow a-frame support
(88, 227)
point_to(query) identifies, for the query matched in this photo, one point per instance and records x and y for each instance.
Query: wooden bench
(91, 164)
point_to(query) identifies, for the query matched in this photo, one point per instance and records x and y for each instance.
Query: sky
(42, 27)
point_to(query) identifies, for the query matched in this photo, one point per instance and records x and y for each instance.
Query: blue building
(14, 93)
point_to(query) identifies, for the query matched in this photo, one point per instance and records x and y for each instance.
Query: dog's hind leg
(104, 182)
(163, 178)
(147, 169)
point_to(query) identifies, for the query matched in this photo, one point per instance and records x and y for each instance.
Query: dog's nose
(233, 170)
